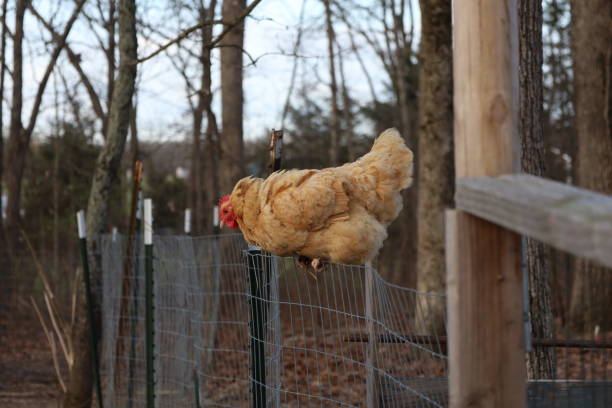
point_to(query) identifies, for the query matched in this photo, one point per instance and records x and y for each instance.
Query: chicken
(336, 214)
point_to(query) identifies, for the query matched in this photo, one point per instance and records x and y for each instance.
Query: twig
(296, 48)
(39, 268)
(51, 340)
(75, 296)
(213, 43)
(57, 329)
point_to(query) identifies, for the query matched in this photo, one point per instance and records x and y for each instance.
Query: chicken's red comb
(224, 199)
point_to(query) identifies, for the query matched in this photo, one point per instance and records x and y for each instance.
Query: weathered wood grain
(569, 218)
(372, 386)
(486, 352)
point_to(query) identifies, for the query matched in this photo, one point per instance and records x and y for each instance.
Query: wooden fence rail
(568, 218)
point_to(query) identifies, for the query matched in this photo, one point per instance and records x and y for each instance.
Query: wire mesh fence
(234, 326)
(314, 335)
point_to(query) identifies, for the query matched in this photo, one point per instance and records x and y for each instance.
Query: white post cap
(81, 224)
(148, 221)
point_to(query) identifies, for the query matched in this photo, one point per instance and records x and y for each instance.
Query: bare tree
(394, 48)
(334, 117)
(347, 114)
(106, 19)
(296, 60)
(80, 383)
(200, 167)
(541, 361)
(2, 76)
(20, 136)
(592, 56)
(436, 173)
(231, 142)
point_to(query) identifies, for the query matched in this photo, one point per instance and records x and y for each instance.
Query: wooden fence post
(372, 388)
(486, 349)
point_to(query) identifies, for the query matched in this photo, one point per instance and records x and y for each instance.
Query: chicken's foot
(310, 265)
(319, 265)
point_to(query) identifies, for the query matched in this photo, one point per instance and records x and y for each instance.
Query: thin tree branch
(358, 55)
(75, 60)
(61, 42)
(296, 48)
(213, 43)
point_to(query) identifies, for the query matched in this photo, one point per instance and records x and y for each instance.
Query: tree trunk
(347, 113)
(436, 174)
(232, 149)
(402, 74)
(80, 382)
(335, 111)
(2, 72)
(110, 61)
(134, 142)
(592, 56)
(16, 143)
(212, 131)
(19, 137)
(540, 362)
(199, 168)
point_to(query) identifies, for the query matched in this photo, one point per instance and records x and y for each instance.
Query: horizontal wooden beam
(568, 218)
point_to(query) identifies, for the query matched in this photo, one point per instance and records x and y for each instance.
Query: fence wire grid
(315, 333)
(225, 336)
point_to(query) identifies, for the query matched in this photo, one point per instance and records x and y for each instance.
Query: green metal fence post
(196, 389)
(93, 337)
(257, 326)
(135, 294)
(149, 314)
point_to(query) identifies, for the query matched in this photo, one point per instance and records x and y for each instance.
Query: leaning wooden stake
(486, 350)
(260, 266)
(126, 285)
(276, 154)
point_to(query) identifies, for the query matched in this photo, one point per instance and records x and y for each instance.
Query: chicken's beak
(222, 224)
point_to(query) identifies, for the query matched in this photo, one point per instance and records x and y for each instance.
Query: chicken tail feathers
(393, 160)
(382, 174)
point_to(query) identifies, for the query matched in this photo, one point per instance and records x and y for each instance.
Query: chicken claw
(303, 262)
(306, 264)
(318, 264)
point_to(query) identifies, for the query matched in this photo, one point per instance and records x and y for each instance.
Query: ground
(27, 378)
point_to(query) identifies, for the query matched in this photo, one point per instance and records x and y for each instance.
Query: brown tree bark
(231, 142)
(212, 130)
(540, 361)
(2, 76)
(111, 66)
(436, 173)
(592, 55)
(16, 142)
(201, 201)
(334, 116)
(80, 382)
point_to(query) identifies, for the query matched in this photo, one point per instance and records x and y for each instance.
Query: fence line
(315, 336)
(202, 332)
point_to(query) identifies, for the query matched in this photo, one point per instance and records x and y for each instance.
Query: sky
(163, 113)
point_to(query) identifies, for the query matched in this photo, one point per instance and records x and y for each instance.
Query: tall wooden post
(487, 360)
(372, 386)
